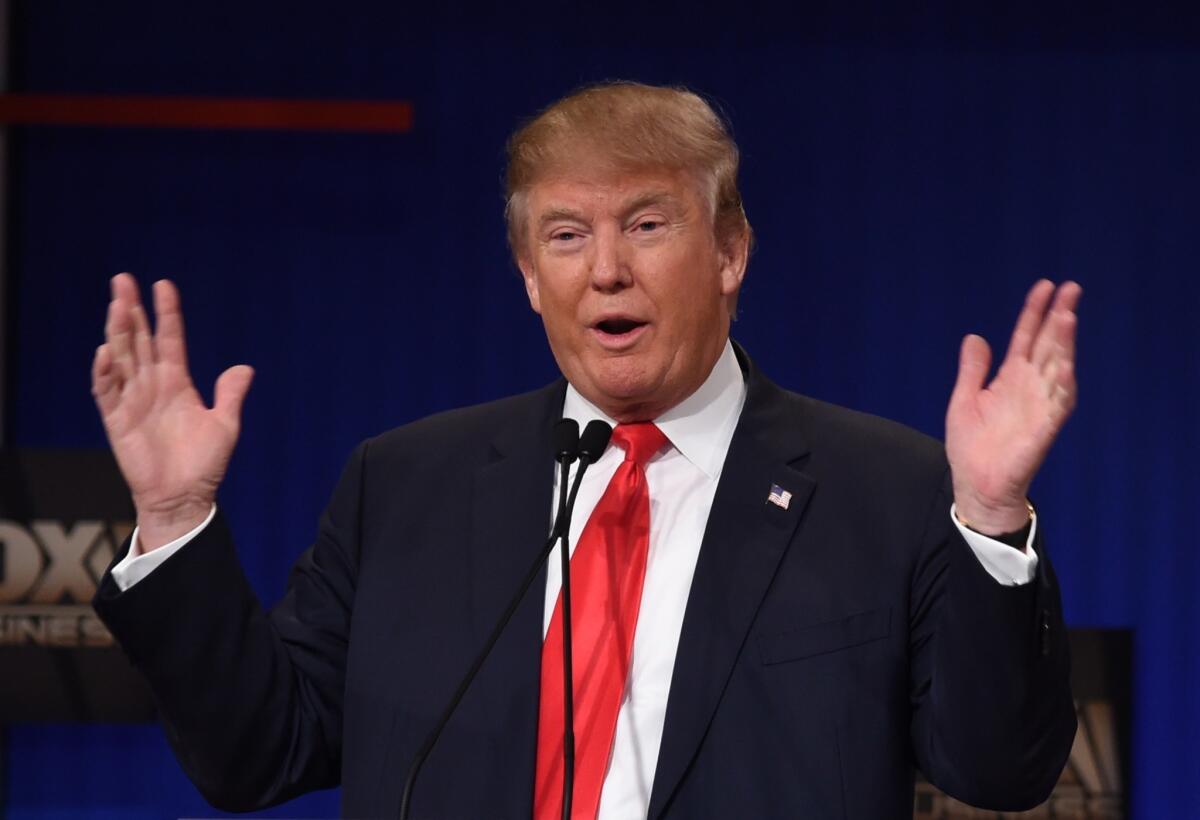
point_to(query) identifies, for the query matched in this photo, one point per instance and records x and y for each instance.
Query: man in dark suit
(826, 599)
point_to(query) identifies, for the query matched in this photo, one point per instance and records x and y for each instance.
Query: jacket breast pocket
(826, 637)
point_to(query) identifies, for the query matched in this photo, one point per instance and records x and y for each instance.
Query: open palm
(998, 433)
(172, 449)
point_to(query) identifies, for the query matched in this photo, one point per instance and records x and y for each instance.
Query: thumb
(232, 386)
(974, 361)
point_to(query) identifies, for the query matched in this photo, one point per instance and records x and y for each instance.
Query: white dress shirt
(682, 479)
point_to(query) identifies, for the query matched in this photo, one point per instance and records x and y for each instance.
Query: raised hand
(171, 448)
(998, 434)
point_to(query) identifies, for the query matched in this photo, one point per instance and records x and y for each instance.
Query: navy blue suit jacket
(827, 648)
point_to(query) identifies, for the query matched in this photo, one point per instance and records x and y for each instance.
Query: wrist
(161, 524)
(992, 519)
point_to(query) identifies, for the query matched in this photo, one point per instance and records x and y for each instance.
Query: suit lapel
(744, 541)
(510, 523)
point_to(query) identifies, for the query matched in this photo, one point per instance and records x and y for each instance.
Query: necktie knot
(640, 441)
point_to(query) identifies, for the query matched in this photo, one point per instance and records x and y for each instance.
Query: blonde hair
(630, 127)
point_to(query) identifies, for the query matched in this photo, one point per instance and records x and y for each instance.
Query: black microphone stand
(591, 446)
(568, 676)
(567, 448)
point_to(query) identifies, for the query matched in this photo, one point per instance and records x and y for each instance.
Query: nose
(610, 270)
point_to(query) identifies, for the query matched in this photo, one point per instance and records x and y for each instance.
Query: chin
(625, 387)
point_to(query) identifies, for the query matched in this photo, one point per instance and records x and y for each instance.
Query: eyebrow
(557, 213)
(654, 197)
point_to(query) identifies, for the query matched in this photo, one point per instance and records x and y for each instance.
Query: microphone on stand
(567, 447)
(590, 447)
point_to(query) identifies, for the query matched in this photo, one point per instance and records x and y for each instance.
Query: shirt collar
(701, 426)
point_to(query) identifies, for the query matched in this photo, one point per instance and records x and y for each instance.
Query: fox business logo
(49, 571)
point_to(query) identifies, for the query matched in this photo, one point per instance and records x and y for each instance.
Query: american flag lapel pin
(779, 497)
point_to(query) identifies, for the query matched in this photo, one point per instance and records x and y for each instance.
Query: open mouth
(618, 327)
(619, 333)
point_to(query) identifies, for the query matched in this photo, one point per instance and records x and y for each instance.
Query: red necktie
(607, 570)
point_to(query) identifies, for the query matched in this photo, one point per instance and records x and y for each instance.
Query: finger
(974, 363)
(118, 335)
(1030, 320)
(106, 387)
(1068, 295)
(232, 386)
(1061, 388)
(125, 289)
(1056, 338)
(126, 294)
(168, 337)
(125, 297)
(143, 342)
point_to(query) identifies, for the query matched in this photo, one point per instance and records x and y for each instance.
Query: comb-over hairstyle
(628, 127)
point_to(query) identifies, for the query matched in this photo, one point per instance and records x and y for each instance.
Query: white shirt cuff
(1010, 567)
(136, 565)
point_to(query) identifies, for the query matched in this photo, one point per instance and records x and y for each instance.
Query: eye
(648, 225)
(563, 236)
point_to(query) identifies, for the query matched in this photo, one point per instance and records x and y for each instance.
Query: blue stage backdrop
(907, 177)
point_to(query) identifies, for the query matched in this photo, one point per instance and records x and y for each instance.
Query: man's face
(631, 283)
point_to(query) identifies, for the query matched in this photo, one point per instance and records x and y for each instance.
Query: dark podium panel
(1095, 783)
(62, 515)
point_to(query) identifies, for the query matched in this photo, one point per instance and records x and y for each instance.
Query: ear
(735, 252)
(529, 274)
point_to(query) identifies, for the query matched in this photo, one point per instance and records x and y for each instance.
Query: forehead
(596, 188)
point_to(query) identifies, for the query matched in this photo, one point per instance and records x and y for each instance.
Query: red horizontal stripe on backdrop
(206, 112)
